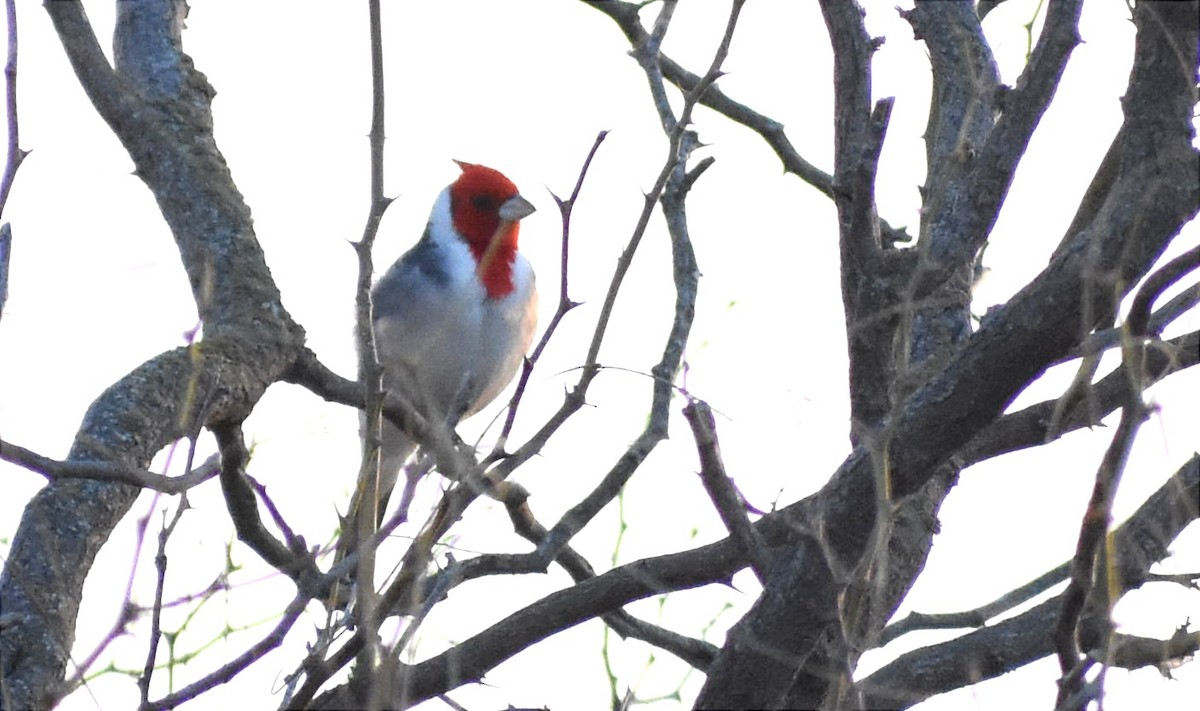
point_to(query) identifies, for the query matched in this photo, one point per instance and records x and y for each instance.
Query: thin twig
(228, 671)
(294, 542)
(1030, 427)
(160, 567)
(370, 373)
(1092, 534)
(625, 15)
(435, 595)
(5, 258)
(15, 154)
(695, 652)
(682, 143)
(469, 484)
(102, 471)
(565, 304)
(1168, 313)
(979, 616)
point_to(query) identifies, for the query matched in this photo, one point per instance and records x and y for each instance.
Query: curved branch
(158, 106)
(1035, 425)
(1098, 516)
(1140, 542)
(1139, 320)
(1177, 306)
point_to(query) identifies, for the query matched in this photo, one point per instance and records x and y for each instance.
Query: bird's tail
(395, 449)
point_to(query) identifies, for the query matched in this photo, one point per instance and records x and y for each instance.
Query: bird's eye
(483, 202)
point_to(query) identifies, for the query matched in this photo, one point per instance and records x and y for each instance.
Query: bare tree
(929, 388)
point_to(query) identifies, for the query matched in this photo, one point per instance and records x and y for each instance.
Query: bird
(452, 318)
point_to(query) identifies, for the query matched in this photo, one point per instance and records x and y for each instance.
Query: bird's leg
(414, 471)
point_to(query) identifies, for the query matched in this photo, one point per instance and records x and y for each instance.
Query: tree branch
(1180, 304)
(724, 497)
(54, 469)
(1143, 540)
(1032, 426)
(1152, 197)
(293, 561)
(979, 616)
(13, 143)
(1140, 542)
(1098, 516)
(858, 141)
(625, 15)
(272, 640)
(370, 372)
(671, 186)
(250, 339)
(565, 304)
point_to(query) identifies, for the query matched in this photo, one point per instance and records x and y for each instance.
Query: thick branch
(858, 141)
(158, 106)
(1154, 195)
(166, 126)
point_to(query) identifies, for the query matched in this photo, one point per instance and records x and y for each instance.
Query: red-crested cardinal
(454, 316)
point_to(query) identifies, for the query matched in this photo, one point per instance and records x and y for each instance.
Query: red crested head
(486, 210)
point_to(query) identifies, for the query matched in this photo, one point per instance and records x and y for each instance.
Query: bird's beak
(512, 211)
(516, 208)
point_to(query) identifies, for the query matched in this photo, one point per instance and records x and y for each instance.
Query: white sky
(96, 288)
